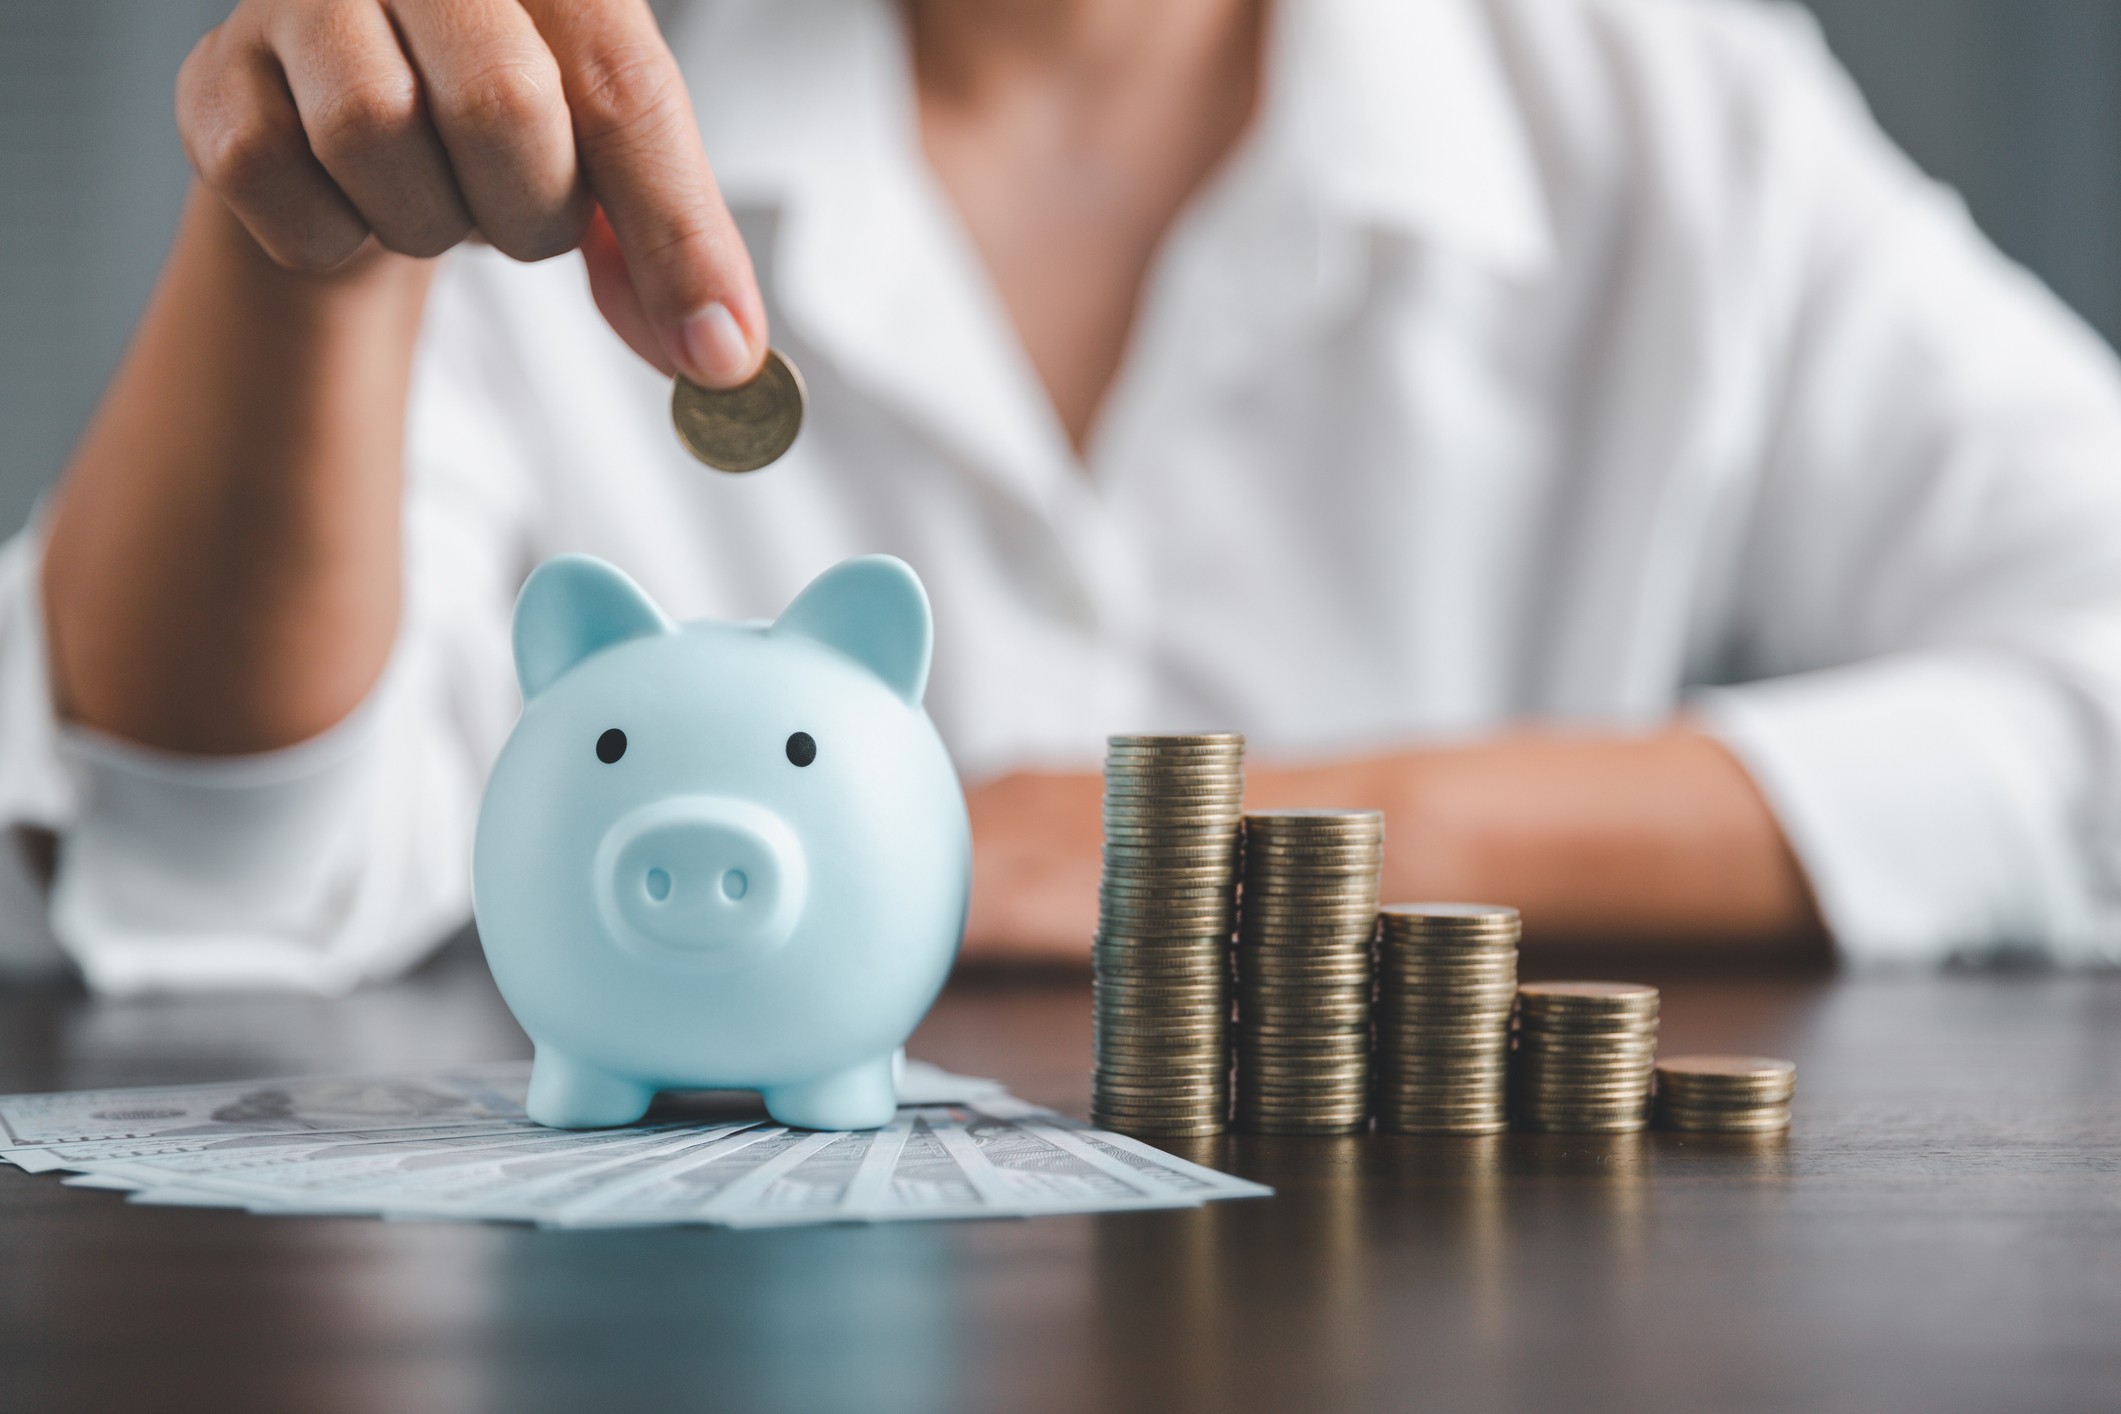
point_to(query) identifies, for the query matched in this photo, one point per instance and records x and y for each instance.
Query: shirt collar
(1399, 114)
(808, 112)
(1393, 113)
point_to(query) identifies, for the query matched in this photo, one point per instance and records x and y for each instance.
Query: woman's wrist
(373, 283)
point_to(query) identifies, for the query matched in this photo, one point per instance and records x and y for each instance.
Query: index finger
(639, 148)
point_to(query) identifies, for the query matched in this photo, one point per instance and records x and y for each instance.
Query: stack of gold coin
(1307, 914)
(1582, 1056)
(1725, 1094)
(1446, 976)
(1166, 910)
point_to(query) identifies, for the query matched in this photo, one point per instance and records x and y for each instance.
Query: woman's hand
(541, 126)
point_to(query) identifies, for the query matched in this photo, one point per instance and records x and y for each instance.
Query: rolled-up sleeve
(1932, 800)
(263, 871)
(340, 859)
(1930, 591)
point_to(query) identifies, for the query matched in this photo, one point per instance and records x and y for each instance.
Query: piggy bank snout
(710, 877)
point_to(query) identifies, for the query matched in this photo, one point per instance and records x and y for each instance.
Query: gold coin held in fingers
(741, 428)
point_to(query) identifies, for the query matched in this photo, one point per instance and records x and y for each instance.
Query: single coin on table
(745, 427)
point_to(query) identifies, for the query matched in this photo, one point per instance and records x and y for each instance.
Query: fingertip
(714, 350)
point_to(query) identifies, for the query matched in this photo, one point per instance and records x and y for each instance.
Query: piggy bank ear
(874, 610)
(571, 606)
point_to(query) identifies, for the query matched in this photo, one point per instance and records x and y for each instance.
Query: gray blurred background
(2015, 102)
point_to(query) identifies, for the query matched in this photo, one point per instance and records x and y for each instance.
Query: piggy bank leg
(567, 1094)
(859, 1097)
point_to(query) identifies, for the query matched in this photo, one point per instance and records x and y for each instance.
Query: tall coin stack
(1725, 1094)
(1583, 1056)
(1303, 970)
(1166, 909)
(1446, 976)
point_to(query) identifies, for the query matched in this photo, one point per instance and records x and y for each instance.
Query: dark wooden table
(1941, 1231)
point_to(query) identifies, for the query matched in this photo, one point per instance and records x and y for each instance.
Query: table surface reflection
(1941, 1230)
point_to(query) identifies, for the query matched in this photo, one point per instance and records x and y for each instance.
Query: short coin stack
(1582, 1058)
(1725, 1094)
(1166, 909)
(1303, 966)
(1446, 976)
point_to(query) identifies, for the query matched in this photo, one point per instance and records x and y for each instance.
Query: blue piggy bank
(721, 855)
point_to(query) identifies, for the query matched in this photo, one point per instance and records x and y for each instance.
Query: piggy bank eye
(611, 746)
(802, 750)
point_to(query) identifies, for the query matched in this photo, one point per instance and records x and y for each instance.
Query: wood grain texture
(1941, 1231)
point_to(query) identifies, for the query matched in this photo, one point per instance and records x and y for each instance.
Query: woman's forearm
(221, 568)
(1648, 841)
(1642, 840)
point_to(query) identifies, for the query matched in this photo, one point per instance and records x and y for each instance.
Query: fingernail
(715, 349)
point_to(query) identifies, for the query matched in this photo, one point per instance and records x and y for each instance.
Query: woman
(1565, 424)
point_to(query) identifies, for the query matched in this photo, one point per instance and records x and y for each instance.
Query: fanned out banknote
(456, 1145)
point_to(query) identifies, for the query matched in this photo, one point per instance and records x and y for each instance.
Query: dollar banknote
(51, 1131)
(303, 1105)
(455, 1145)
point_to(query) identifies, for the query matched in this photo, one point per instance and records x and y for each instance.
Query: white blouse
(1571, 360)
